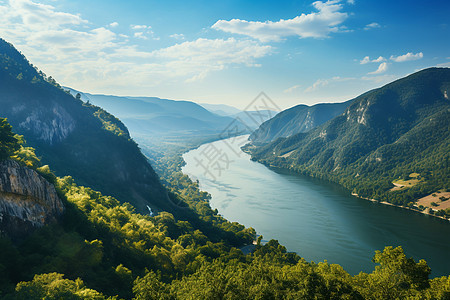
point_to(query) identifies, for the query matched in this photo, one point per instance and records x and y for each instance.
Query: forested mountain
(300, 118)
(399, 131)
(75, 138)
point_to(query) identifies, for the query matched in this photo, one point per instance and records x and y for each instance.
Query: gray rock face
(27, 200)
(52, 125)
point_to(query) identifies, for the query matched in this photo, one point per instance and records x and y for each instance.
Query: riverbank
(400, 206)
(249, 147)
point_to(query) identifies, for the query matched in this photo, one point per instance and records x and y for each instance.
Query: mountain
(400, 131)
(254, 118)
(73, 137)
(221, 109)
(300, 118)
(159, 117)
(250, 118)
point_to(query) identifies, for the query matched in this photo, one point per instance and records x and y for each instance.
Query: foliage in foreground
(102, 249)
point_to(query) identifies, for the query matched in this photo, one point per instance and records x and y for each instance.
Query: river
(316, 219)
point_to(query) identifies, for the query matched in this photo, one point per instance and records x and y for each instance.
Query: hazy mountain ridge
(159, 117)
(250, 118)
(383, 135)
(81, 140)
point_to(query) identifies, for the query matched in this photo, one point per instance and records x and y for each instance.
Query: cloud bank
(99, 58)
(320, 24)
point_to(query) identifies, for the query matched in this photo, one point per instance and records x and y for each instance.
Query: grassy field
(441, 200)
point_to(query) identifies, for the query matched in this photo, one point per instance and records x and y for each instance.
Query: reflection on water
(316, 219)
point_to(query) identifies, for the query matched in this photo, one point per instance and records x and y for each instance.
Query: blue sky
(229, 51)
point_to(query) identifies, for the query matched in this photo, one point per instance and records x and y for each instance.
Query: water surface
(316, 219)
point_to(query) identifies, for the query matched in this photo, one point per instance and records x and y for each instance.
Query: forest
(102, 249)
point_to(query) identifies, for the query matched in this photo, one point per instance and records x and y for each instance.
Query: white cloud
(407, 57)
(140, 27)
(379, 59)
(114, 24)
(319, 83)
(372, 26)
(40, 16)
(381, 69)
(366, 60)
(314, 25)
(77, 53)
(143, 32)
(351, 1)
(292, 88)
(140, 35)
(177, 36)
(204, 55)
(324, 82)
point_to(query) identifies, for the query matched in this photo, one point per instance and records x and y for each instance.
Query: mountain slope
(300, 118)
(389, 133)
(77, 139)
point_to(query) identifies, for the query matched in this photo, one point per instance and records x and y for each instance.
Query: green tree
(150, 287)
(8, 142)
(54, 286)
(396, 277)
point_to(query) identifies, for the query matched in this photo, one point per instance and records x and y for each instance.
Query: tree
(54, 286)
(8, 143)
(150, 287)
(396, 277)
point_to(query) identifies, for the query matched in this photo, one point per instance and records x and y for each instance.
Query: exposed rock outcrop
(27, 200)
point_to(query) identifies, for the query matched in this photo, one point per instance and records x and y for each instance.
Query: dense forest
(397, 133)
(102, 249)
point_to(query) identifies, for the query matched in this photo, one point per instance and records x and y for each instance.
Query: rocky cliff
(27, 200)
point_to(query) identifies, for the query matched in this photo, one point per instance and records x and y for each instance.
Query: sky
(228, 52)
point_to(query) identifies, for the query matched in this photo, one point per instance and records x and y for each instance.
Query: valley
(129, 197)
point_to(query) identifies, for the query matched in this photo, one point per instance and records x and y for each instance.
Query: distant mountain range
(73, 137)
(399, 131)
(160, 117)
(251, 118)
(221, 109)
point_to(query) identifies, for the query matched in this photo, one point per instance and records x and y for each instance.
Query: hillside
(398, 131)
(297, 119)
(74, 138)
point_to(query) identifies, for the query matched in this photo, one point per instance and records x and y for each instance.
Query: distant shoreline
(400, 206)
(356, 195)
